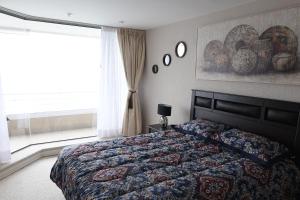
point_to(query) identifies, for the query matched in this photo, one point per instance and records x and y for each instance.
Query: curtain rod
(24, 16)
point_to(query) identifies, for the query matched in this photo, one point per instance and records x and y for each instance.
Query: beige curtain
(133, 48)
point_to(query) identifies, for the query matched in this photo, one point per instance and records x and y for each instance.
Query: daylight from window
(47, 72)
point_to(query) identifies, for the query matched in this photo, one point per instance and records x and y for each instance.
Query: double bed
(234, 147)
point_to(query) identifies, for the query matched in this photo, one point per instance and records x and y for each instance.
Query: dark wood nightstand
(157, 127)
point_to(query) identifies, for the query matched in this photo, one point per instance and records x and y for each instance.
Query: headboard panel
(277, 120)
(238, 108)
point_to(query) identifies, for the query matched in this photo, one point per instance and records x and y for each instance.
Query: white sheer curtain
(5, 154)
(113, 86)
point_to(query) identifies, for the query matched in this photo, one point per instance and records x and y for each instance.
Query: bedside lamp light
(164, 110)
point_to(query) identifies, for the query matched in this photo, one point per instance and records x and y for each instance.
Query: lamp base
(163, 122)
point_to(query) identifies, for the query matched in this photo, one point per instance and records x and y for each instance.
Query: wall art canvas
(262, 48)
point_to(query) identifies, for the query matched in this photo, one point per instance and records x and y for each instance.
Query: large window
(43, 72)
(50, 78)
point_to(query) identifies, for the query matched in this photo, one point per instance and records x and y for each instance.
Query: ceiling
(140, 14)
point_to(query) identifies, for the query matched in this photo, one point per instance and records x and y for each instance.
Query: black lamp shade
(164, 110)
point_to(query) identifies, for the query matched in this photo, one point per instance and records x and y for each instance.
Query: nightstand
(157, 127)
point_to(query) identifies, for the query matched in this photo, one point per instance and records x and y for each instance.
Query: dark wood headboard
(277, 120)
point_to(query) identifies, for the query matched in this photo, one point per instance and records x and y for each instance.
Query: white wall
(172, 85)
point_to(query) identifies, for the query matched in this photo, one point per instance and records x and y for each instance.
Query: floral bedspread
(169, 165)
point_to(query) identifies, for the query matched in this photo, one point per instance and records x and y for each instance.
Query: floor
(31, 183)
(18, 142)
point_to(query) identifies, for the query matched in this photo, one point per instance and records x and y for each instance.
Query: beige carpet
(31, 183)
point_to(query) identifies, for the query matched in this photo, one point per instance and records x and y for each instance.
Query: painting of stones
(262, 48)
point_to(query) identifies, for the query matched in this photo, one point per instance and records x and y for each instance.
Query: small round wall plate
(180, 49)
(155, 69)
(167, 59)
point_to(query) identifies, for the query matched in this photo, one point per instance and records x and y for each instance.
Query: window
(48, 72)
(50, 77)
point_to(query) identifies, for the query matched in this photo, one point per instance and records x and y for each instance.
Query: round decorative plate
(180, 49)
(244, 61)
(167, 59)
(155, 69)
(240, 36)
(283, 39)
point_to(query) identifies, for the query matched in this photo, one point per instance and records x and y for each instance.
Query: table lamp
(164, 110)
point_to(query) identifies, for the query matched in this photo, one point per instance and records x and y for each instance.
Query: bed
(234, 147)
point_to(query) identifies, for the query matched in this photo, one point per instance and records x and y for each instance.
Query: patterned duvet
(169, 165)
